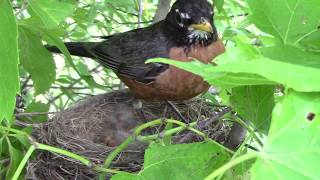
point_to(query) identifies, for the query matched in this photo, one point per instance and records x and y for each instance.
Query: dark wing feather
(126, 53)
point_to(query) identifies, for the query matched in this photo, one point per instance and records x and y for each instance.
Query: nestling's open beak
(204, 26)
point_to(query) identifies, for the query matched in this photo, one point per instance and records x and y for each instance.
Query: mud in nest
(95, 126)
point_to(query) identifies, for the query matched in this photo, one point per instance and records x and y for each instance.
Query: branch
(162, 10)
(34, 114)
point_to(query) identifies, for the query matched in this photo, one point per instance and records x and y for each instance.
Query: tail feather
(82, 49)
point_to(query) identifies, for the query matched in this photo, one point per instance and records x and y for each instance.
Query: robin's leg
(176, 110)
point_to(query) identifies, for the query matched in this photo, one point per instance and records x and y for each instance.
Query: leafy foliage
(270, 73)
(292, 148)
(36, 60)
(289, 20)
(255, 104)
(9, 82)
(51, 12)
(183, 161)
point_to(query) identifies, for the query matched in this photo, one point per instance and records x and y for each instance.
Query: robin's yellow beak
(204, 26)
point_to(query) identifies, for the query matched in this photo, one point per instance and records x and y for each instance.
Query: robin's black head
(190, 22)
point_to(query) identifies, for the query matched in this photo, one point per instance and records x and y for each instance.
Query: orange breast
(174, 83)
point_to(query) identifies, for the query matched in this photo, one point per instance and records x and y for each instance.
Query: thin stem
(115, 153)
(252, 133)
(3, 128)
(238, 152)
(139, 129)
(64, 152)
(119, 149)
(23, 162)
(131, 139)
(36, 145)
(189, 127)
(126, 143)
(184, 125)
(166, 133)
(81, 159)
(140, 12)
(76, 157)
(104, 170)
(230, 164)
(34, 114)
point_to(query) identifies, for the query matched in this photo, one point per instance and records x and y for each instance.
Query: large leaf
(36, 60)
(293, 56)
(289, 20)
(255, 104)
(51, 12)
(285, 65)
(292, 150)
(9, 78)
(50, 35)
(183, 161)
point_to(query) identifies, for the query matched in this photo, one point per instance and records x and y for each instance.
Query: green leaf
(51, 36)
(24, 140)
(38, 107)
(15, 157)
(36, 60)
(219, 5)
(86, 76)
(51, 12)
(293, 56)
(254, 103)
(9, 77)
(289, 20)
(183, 161)
(53, 39)
(224, 78)
(285, 65)
(292, 150)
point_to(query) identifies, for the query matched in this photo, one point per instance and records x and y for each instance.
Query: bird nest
(94, 126)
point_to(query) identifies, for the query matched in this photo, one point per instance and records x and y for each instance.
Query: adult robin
(187, 32)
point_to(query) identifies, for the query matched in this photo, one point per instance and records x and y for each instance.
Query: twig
(239, 15)
(71, 85)
(176, 110)
(62, 87)
(34, 114)
(140, 12)
(25, 83)
(203, 124)
(24, 6)
(162, 9)
(110, 19)
(243, 123)
(120, 10)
